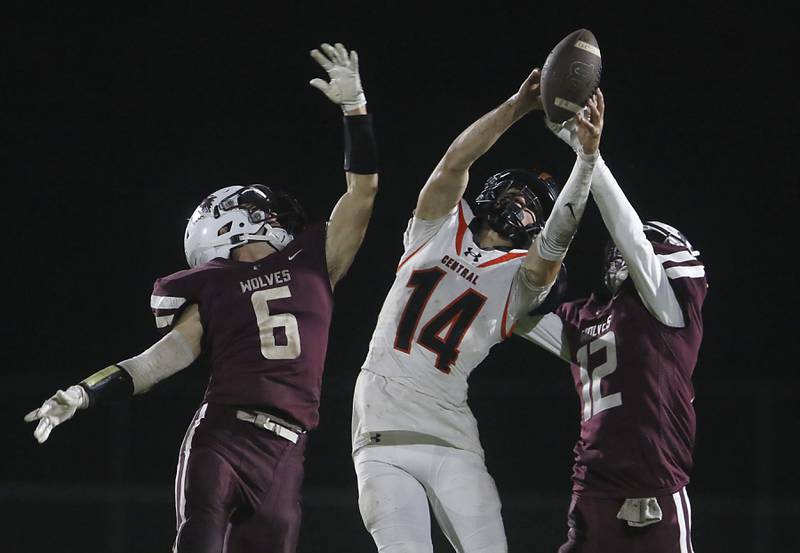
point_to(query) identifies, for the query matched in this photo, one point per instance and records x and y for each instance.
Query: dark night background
(119, 121)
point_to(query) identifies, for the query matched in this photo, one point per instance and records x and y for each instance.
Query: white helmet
(235, 215)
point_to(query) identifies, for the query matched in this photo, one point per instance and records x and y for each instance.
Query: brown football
(570, 75)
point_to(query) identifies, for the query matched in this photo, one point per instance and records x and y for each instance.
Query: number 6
(268, 323)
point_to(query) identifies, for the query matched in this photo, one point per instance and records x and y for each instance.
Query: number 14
(453, 320)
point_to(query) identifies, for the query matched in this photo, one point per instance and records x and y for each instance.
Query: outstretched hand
(529, 94)
(580, 132)
(344, 87)
(589, 129)
(59, 408)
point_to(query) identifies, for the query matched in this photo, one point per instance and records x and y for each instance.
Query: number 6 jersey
(265, 325)
(451, 301)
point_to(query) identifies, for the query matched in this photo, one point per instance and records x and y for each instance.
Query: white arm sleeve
(546, 331)
(166, 357)
(554, 240)
(625, 227)
(525, 295)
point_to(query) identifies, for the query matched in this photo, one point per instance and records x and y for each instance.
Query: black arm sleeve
(108, 385)
(360, 150)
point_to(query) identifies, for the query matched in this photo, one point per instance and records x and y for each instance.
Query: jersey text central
(459, 269)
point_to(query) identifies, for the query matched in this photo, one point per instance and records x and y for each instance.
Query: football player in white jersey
(462, 283)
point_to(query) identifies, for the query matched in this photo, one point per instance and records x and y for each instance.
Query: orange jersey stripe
(502, 259)
(412, 254)
(462, 228)
(503, 334)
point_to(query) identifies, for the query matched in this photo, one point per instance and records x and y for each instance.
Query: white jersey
(451, 301)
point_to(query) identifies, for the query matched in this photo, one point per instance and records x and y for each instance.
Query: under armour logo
(375, 437)
(475, 255)
(569, 205)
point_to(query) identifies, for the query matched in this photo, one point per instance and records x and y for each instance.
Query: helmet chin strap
(276, 237)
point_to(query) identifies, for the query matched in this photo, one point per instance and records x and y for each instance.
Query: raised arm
(625, 228)
(350, 217)
(644, 267)
(447, 183)
(543, 262)
(174, 352)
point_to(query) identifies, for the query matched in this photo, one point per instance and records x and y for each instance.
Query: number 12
(593, 400)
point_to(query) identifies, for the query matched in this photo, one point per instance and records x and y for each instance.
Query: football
(570, 75)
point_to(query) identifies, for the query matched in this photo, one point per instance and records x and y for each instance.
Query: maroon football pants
(595, 528)
(237, 487)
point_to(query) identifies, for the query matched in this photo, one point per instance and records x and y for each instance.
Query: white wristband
(359, 102)
(80, 393)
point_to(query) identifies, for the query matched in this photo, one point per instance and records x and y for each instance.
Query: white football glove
(342, 68)
(566, 131)
(59, 408)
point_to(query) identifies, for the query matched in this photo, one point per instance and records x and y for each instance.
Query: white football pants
(396, 482)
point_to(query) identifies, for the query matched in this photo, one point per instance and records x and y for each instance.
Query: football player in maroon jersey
(632, 349)
(258, 299)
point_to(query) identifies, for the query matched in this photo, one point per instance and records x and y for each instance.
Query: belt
(272, 423)
(397, 437)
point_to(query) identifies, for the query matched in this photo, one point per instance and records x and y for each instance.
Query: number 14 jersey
(450, 303)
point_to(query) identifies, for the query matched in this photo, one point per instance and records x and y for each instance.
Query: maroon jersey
(265, 325)
(633, 376)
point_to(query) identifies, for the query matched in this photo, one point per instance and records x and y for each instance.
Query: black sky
(119, 121)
